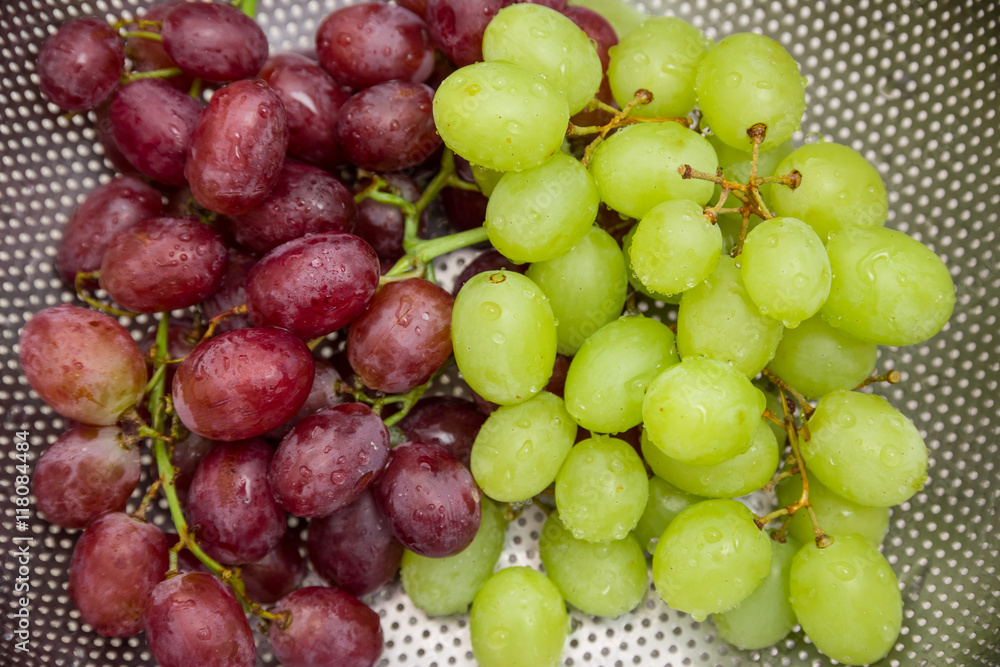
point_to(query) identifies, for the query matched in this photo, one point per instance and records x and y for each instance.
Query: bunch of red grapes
(269, 216)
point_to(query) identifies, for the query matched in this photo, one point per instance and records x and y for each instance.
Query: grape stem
(804, 405)
(892, 377)
(822, 541)
(214, 322)
(80, 285)
(142, 34)
(164, 73)
(249, 7)
(642, 96)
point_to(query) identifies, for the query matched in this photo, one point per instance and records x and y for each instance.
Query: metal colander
(911, 84)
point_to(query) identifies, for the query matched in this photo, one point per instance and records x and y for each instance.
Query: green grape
(710, 558)
(486, 179)
(500, 116)
(665, 502)
(839, 189)
(741, 475)
(766, 617)
(847, 600)
(660, 55)
(600, 579)
(864, 449)
(519, 448)
(441, 586)
(518, 619)
(608, 377)
(601, 489)
(674, 247)
(817, 359)
(622, 16)
(834, 514)
(887, 288)
(543, 40)
(736, 163)
(701, 411)
(540, 213)
(586, 287)
(729, 226)
(504, 336)
(636, 167)
(748, 79)
(633, 279)
(785, 270)
(718, 320)
(773, 403)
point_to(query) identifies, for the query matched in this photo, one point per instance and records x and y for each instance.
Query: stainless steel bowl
(912, 84)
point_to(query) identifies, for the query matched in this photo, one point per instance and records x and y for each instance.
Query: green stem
(408, 400)
(144, 34)
(164, 73)
(249, 7)
(427, 250)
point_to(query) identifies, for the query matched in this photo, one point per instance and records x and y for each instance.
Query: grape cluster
(271, 206)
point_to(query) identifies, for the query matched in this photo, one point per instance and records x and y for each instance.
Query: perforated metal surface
(913, 85)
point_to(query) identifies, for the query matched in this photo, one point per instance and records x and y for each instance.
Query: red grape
(329, 628)
(446, 421)
(84, 364)
(278, 573)
(488, 260)
(187, 454)
(231, 502)
(324, 394)
(80, 65)
(194, 619)
(242, 383)
(86, 472)
(329, 459)
(238, 147)
(148, 54)
(231, 291)
(382, 225)
(213, 41)
(116, 564)
(457, 26)
(465, 209)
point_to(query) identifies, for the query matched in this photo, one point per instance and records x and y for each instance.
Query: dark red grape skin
(242, 383)
(148, 54)
(312, 102)
(194, 619)
(353, 548)
(187, 454)
(278, 573)
(83, 364)
(329, 459)
(116, 564)
(488, 260)
(238, 147)
(457, 26)
(418, 7)
(388, 126)
(305, 200)
(429, 499)
(329, 628)
(152, 123)
(213, 41)
(558, 5)
(446, 421)
(403, 337)
(232, 504)
(465, 209)
(383, 225)
(87, 471)
(231, 291)
(324, 394)
(314, 285)
(109, 208)
(80, 65)
(162, 264)
(370, 43)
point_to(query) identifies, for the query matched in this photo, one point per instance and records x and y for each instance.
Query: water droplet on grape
(712, 535)
(891, 456)
(498, 338)
(846, 420)
(843, 571)
(734, 79)
(489, 311)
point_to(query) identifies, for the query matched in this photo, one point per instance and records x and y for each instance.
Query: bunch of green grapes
(784, 280)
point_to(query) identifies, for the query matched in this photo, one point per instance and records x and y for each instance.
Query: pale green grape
(785, 270)
(766, 617)
(665, 502)
(701, 411)
(586, 287)
(519, 448)
(747, 79)
(440, 586)
(622, 16)
(500, 116)
(887, 288)
(600, 579)
(839, 189)
(729, 226)
(608, 377)
(710, 558)
(504, 336)
(543, 40)
(834, 514)
(847, 600)
(486, 179)
(633, 279)
(518, 619)
(601, 489)
(741, 475)
(817, 359)
(660, 55)
(636, 167)
(674, 247)
(542, 212)
(718, 320)
(773, 403)
(865, 450)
